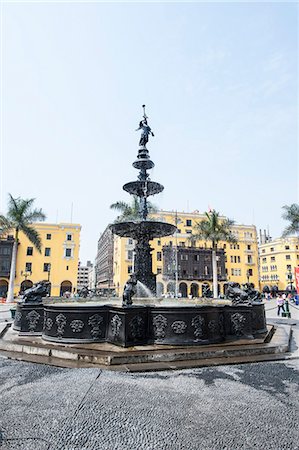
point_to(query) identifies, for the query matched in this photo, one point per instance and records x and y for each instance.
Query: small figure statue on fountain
(146, 130)
(37, 292)
(129, 290)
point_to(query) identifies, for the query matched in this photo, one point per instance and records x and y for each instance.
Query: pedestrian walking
(280, 304)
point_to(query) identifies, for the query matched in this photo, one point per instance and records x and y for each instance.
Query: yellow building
(241, 259)
(57, 262)
(278, 259)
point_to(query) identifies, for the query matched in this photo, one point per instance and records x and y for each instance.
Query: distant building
(104, 261)
(278, 259)
(57, 262)
(83, 275)
(6, 245)
(236, 262)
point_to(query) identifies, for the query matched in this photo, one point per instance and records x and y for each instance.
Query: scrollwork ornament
(116, 323)
(160, 323)
(48, 323)
(61, 322)
(198, 324)
(95, 322)
(136, 327)
(33, 318)
(238, 323)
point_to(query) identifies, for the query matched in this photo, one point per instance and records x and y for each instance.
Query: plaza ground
(237, 407)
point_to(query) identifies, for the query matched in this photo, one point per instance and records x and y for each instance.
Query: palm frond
(34, 216)
(291, 214)
(5, 225)
(33, 236)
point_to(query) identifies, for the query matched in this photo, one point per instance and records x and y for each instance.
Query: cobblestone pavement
(252, 406)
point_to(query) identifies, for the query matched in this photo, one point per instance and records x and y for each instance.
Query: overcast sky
(220, 83)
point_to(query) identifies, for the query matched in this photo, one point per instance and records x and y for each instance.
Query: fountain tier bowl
(150, 229)
(143, 188)
(154, 323)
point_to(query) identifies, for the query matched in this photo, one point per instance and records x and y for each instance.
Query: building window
(130, 269)
(182, 244)
(263, 251)
(248, 247)
(47, 251)
(272, 249)
(206, 270)
(159, 256)
(47, 267)
(188, 223)
(130, 241)
(287, 247)
(67, 267)
(130, 255)
(196, 257)
(68, 252)
(184, 257)
(48, 236)
(264, 260)
(188, 231)
(159, 270)
(28, 267)
(159, 242)
(289, 267)
(224, 246)
(272, 258)
(69, 237)
(250, 273)
(231, 259)
(288, 256)
(29, 251)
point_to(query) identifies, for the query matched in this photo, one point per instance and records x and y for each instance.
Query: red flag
(297, 278)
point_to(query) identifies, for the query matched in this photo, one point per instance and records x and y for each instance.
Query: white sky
(220, 82)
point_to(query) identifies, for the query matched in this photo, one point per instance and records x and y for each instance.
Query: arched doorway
(183, 289)
(194, 290)
(26, 284)
(3, 288)
(66, 286)
(160, 289)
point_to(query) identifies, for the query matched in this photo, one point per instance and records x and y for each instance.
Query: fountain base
(141, 324)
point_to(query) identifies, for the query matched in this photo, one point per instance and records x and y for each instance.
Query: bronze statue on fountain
(143, 230)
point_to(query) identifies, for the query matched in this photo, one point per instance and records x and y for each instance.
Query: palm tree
(131, 211)
(292, 215)
(214, 229)
(19, 217)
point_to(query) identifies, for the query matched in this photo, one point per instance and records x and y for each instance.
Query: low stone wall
(140, 325)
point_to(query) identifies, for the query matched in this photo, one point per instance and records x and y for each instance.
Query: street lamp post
(49, 271)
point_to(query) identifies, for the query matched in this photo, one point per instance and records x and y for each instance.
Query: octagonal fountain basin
(153, 322)
(150, 229)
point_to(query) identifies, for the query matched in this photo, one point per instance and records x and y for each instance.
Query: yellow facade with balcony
(241, 258)
(57, 262)
(278, 259)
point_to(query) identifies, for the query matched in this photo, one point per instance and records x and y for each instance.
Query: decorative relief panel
(33, 318)
(77, 325)
(136, 327)
(238, 323)
(95, 322)
(160, 322)
(198, 324)
(116, 323)
(61, 322)
(179, 327)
